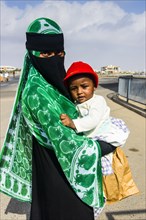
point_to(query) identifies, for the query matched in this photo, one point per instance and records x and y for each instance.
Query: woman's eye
(46, 54)
(61, 54)
(49, 54)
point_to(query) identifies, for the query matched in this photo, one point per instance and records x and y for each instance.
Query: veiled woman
(43, 161)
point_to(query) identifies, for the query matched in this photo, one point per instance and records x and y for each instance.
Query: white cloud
(99, 33)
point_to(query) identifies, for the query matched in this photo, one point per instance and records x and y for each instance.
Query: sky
(101, 33)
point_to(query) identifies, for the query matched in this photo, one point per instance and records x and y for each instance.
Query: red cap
(79, 68)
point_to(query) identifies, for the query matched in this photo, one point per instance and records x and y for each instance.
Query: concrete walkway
(133, 207)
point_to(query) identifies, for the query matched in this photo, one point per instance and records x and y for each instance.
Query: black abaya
(52, 196)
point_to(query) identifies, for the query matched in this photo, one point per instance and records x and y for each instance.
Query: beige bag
(120, 184)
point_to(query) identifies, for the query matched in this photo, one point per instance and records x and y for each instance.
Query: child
(94, 115)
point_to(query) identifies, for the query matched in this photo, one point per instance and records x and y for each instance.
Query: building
(7, 68)
(110, 69)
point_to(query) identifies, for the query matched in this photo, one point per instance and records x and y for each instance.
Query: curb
(114, 97)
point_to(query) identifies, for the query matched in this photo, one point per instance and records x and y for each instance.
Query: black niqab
(52, 68)
(53, 71)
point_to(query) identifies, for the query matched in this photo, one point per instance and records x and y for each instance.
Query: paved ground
(133, 207)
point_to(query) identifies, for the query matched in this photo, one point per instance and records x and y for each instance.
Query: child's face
(81, 88)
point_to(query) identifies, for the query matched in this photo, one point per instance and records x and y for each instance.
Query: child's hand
(67, 121)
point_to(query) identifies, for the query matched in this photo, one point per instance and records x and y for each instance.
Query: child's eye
(72, 88)
(84, 86)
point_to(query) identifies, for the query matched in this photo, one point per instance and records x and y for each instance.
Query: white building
(110, 69)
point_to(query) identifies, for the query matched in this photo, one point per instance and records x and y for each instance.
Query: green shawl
(36, 111)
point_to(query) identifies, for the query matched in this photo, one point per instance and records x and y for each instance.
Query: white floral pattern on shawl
(37, 113)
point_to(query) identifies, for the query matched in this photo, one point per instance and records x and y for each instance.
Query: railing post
(127, 90)
(128, 87)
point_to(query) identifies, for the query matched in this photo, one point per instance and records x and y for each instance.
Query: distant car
(4, 77)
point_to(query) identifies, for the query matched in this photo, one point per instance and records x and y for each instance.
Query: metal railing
(132, 88)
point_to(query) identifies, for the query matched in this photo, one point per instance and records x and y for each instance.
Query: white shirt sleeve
(98, 111)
